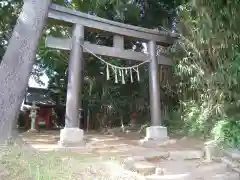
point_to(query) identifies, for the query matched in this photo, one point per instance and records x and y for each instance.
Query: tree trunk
(18, 60)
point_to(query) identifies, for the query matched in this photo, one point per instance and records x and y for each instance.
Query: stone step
(189, 171)
(232, 159)
(143, 168)
(212, 168)
(186, 155)
(173, 149)
(175, 155)
(173, 168)
(156, 143)
(233, 154)
(170, 155)
(139, 164)
(231, 163)
(226, 176)
(223, 176)
(150, 154)
(167, 177)
(188, 167)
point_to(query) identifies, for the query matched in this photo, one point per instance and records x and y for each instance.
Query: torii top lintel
(67, 15)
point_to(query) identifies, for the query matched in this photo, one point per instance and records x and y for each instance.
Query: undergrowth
(207, 71)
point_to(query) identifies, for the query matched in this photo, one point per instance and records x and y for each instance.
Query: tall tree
(18, 60)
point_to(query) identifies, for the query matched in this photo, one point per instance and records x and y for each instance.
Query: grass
(25, 165)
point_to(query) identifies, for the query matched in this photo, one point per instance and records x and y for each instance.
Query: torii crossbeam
(37, 12)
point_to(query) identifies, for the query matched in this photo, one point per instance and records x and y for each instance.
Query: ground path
(121, 156)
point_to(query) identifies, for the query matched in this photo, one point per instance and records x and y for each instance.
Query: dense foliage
(207, 66)
(8, 15)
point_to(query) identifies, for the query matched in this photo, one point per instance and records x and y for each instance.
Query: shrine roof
(40, 96)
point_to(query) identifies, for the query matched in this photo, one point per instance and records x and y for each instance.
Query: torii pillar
(156, 131)
(71, 135)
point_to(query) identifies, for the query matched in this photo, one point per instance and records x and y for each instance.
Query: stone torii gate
(38, 11)
(120, 31)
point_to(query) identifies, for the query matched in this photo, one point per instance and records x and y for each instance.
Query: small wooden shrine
(45, 106)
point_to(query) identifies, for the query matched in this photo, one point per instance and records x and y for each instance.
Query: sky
(33, 83)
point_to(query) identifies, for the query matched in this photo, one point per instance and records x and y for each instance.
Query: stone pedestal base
(156, 136)
(212, 151)
(156, 132)
(71, 137)
(33, 130)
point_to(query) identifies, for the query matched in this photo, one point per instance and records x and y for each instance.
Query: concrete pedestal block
(156, 136)
(71, 137)
(33, 131)
(156, 132)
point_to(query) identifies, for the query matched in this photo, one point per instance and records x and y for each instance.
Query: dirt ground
(102, 156)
